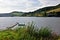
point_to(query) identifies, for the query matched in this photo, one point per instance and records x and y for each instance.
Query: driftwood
(15, 25)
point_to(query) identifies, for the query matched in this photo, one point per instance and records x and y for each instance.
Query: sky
(7, 6)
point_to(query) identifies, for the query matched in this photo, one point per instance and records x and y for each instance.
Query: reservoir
(51, 22)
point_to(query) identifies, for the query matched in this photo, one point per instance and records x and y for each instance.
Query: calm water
(52, 22)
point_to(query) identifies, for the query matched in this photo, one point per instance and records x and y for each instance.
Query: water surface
(52, 22)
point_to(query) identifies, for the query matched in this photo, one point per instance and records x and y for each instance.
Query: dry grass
(55, 10)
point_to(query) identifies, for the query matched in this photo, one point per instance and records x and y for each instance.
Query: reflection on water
(52, 22)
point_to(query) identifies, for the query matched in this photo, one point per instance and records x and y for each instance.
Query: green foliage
(28, 32)
(45, 32)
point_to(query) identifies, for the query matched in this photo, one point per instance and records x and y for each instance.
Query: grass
(28, 32)
(55, 10)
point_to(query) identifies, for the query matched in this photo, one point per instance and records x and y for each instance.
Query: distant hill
(16, 13)
(51, 11)
(11, 14)
(5, 15)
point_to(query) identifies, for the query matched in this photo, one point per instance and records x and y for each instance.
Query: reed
(29, 32)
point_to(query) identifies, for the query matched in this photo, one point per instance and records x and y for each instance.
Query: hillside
(54, 10)
(50, 11)
(16, 13)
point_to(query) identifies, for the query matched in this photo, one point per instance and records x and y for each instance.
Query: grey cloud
(25, 5)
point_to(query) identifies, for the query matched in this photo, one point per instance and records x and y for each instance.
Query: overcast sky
(25, 5)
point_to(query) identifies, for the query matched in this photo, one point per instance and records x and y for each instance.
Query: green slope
(42, 12)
